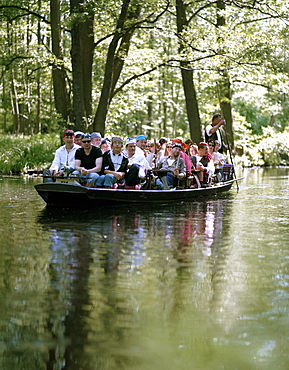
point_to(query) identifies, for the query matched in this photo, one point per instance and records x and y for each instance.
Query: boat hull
(76, 195)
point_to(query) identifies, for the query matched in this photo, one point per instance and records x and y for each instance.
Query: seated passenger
(114, 165)
(88, 162)
(142, 165)
(155, 155)
(63, 162)
(211, 146)
(203, 163)
(175, 165)
(141, 142)
(163, 142)
(135, 160)
(193, 149)
(184, 155)
(219, 161)
(218, 158)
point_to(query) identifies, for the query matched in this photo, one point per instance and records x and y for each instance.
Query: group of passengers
(111, 163)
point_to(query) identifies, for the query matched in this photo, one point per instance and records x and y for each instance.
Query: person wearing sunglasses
(88, 162)
(211, 146)
(63, 162)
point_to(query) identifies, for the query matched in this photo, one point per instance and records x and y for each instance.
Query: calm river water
(202, 285)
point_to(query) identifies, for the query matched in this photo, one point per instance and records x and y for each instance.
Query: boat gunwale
(87, 189)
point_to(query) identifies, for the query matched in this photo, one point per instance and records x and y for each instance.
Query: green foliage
(20, 153)
(252, 46)
(271, 148)
(256, 117)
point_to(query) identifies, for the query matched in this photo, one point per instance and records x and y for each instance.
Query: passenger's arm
(218, 125)
(117, 175)
(77, 165)
(98, 165)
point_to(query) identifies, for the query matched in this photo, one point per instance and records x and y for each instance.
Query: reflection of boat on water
(57, 193)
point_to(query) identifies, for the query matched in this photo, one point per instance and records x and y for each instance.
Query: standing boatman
(213, 131)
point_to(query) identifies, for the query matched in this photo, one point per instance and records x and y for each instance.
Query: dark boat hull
(73, 195)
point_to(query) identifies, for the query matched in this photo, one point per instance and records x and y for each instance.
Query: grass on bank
(19, 154)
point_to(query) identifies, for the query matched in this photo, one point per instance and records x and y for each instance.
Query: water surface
(200, 285)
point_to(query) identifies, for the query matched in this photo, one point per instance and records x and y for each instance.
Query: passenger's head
(180, 141)
(86, 141)
(154, 147)
(211, 145)
(193, 149)
(169, 146)
(78, 135)
(105, 145)
(116, 144)
(203, 149)
(130, 147)
(68, 137)
(217, 145)
(141, 141)
(96, 139)
(176, 149)
(163, 140)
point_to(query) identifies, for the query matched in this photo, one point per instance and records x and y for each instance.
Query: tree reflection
(101, 267)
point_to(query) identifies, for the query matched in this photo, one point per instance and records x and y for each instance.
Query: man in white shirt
(213, 131)
(136, 159)
(140, 142)
(63, 162)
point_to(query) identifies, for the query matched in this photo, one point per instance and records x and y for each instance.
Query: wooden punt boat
(72, 194)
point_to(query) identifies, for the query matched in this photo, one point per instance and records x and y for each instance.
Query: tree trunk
(188, 80)
(62, 101)
(4, 99)
(123, 49)
(37, 124)
(82, 47)
(15, 107)
(87, 50)
(224, 85)
(105, 96)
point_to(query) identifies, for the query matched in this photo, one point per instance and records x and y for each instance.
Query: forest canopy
(157, 67)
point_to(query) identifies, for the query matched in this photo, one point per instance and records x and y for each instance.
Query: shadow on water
(94, 250)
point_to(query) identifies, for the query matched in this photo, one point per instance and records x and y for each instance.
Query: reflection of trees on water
(107, 266)
(85, 305)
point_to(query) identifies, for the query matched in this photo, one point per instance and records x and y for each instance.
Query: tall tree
(105, 96)
(82, 48)
(188, 78)
(224, 84)
(61, 98)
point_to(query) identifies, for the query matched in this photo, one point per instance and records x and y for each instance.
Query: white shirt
(210, 167)
(141, 161)
(208, 128)
(116, 160)
(139, 151)
(64, 158)
(154, 161)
